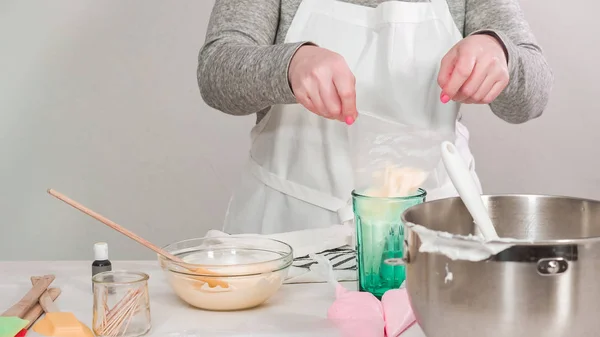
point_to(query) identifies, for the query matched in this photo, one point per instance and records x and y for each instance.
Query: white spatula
(463, 182)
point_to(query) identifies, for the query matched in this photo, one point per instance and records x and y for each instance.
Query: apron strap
(301, 192)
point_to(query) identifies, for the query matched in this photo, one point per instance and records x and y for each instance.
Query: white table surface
(296, 310)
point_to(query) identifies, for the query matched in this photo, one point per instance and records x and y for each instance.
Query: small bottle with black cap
(101, 262)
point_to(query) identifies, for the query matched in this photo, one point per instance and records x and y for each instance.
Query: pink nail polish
(445, 98)
(349, 120)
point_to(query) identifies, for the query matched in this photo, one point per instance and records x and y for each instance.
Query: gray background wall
(98, 99)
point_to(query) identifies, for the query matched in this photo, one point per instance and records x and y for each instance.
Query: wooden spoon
(11, 321)
(36, 312)
(31, 298)
(211, 282)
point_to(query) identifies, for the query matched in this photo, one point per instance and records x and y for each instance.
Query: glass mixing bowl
(254, 269)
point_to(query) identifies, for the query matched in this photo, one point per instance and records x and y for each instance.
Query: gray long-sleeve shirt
(243, 65)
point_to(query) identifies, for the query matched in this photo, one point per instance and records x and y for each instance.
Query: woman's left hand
(474, 71)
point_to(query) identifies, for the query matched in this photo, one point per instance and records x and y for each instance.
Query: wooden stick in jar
(120, 314)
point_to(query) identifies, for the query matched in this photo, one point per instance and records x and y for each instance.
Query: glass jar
(121, 304)
(380, 240)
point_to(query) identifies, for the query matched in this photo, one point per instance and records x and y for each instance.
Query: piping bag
(360, 314)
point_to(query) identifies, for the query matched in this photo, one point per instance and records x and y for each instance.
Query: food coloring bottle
(101, 262)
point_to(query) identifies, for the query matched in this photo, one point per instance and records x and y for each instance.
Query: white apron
(299, 174)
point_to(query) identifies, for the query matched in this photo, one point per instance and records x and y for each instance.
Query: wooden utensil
(117, 319)
(31, 298)
(59, 324)
(36, 312)
(211, 282)
(11, 321)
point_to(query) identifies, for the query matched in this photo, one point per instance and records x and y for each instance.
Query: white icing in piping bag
(462, 180)
(395, 182)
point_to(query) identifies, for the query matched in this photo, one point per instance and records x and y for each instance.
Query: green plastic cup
(380, 240)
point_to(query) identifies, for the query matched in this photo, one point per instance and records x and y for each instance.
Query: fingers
(494, 92)
(474, 71)
(446, 68)
(483, 90)
(332, 97)
(331, 101)
(329, 91)
(473, 84)
(495, 81)
(327, 100)
(502, 79)
(313, 100)
(345, 83)
(322, 81)
(319, 95)
(463, 67)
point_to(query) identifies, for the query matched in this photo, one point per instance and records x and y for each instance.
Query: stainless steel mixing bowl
(547, 288)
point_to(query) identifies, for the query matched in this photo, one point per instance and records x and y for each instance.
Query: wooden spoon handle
(30, 299)
(133, 236)
(113, 225)
(48, 304)
(36, 312)
(46, 301)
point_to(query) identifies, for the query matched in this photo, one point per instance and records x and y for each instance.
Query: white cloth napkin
(336, 243)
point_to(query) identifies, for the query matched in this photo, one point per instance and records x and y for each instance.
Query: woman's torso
(289, 7)
(300, 160)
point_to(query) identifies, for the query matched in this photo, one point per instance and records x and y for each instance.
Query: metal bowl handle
(552, 266)
(406, 255)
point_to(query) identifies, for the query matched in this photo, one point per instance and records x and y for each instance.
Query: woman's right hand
(323, 83)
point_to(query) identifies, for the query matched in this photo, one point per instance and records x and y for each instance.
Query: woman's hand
(474, 71)
(323, 83)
